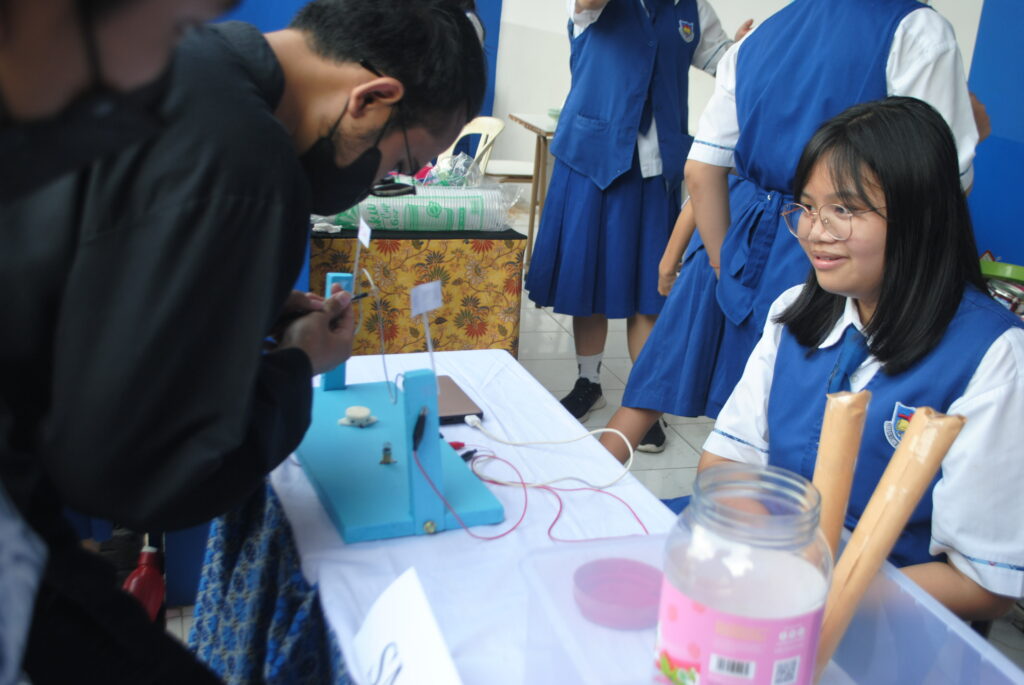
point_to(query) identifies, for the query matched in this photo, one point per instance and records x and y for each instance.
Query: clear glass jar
(746, 577)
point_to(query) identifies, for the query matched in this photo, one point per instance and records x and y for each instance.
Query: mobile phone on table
(453, 404)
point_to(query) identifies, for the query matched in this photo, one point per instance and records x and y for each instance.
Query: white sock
(590, 366)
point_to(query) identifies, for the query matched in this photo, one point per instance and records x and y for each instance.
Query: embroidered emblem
(897, 425)
(686, 30)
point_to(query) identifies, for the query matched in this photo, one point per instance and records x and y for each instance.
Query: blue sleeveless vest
(796, 406)
(615, 63)
(804, 65)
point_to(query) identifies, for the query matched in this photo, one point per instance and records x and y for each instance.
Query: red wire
(553, 490)
(526, 499)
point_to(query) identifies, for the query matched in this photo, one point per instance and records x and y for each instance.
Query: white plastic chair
(488, 129)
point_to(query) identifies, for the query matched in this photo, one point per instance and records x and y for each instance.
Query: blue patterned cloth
(256, 618)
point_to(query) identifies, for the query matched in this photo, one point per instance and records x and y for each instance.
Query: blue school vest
(804, 65)
(796, 407)
(615, 63)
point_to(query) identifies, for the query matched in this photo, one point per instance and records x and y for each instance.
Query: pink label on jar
(698, 645)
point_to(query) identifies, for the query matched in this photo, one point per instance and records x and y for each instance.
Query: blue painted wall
(997, 78)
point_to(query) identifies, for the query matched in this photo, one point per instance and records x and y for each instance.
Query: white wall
(533, 58)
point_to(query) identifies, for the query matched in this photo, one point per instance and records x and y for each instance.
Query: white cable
(475, 422)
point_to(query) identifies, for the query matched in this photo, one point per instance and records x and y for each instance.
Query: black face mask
(334, 189)
(98, 123)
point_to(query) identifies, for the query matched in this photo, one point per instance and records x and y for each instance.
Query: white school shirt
(710, 49)
(924, 63)
(977, 505)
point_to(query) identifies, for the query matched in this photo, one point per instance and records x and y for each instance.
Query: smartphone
(453, 404)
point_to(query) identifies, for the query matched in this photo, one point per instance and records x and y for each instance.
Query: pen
(298, 314)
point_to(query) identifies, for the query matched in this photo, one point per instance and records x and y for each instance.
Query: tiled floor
(546, 350)
(179, 622)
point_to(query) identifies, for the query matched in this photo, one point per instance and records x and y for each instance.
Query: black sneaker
(585, 397)
(654, 440)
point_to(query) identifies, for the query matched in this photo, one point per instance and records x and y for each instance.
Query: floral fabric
(481, 288)
(256, 619)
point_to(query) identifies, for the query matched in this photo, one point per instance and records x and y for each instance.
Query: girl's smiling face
(851, 267)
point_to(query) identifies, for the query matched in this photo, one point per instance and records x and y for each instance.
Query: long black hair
(905, 148)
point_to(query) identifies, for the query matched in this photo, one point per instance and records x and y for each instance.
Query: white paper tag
(364, 232)
(425, 297)
(400, 642)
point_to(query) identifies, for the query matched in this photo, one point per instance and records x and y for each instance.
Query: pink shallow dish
(618, 593)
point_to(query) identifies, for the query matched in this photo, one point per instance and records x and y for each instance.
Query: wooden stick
(904, 482)
(841, 431)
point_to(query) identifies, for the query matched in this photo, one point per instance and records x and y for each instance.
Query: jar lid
(618, 593)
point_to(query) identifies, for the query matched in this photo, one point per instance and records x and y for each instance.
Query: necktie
(853, 350)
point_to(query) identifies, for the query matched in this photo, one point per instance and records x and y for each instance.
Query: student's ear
(381, 92)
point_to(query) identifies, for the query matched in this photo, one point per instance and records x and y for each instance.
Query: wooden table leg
(535, 198)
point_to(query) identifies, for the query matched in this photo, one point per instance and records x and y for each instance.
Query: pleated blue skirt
(597, 252)
(674, 370)
(696, 354)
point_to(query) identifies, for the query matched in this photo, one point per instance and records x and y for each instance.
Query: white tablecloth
(477, 589)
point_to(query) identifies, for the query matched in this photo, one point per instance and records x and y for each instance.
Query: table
(542, 126)
(486, 597)
(476, 589)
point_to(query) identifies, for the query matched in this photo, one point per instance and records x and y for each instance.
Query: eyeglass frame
(815, 214)
(388, 186)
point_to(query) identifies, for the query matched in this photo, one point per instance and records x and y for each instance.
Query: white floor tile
(1007, 637)
(619, 367)
(694, 433)
(667, 483)
(532, 319)
(174, 627)
(674, 420)
(546, 345)
(561, 375)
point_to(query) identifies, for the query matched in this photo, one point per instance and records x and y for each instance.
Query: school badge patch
(897, 425)
(686, 30)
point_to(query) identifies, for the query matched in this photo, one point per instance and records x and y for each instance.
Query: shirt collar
(850, 317)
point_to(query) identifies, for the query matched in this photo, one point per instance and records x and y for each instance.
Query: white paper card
(364, 232)
(400, 642)
(425, 297)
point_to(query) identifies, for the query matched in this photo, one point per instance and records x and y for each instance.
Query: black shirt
(136, 297)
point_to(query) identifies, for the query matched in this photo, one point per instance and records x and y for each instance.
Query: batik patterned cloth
(481, 281)
(256, 619)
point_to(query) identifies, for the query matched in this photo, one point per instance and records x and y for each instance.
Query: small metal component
(386, 455)
(429, 527)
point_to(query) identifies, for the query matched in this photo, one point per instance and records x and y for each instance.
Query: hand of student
(667, 274)
(981, 119)
(297, 305)
(743, 30)
(325, 335)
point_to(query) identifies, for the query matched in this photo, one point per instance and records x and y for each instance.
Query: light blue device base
(368, 500)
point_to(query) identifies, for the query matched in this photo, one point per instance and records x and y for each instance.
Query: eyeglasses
(388, 186)
(837, 220)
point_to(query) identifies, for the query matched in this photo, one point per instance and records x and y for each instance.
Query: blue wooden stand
(368, 500)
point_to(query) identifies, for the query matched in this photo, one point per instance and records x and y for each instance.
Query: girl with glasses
(895, 304)
(802, 66)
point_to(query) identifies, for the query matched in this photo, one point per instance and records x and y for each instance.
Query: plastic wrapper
(484, 207)
(904, 482)
(841, 432)
(457, 171)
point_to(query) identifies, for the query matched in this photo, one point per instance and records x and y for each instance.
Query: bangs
(854, 180)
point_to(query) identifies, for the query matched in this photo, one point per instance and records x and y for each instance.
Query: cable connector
(473, 421)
